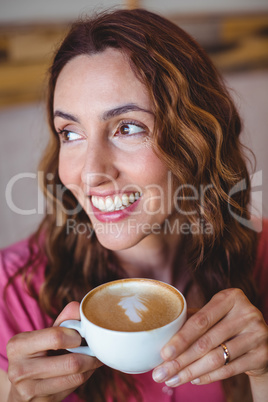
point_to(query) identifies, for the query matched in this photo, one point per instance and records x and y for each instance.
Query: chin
(120, 243)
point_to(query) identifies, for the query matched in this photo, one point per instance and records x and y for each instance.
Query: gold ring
(226, 353)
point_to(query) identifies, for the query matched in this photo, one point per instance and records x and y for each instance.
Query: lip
(114, 216)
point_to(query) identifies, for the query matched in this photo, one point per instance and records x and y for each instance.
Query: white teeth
(117, 202)
(101, 204)
(109, 204)
(131, 198)
(125, 200)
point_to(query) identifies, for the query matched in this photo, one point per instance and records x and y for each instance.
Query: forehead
(103, 78)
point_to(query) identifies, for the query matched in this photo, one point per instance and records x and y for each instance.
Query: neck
(153, 257)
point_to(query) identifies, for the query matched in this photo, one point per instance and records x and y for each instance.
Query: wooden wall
(235, 43)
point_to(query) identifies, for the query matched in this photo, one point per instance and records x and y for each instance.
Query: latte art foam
(133, 305)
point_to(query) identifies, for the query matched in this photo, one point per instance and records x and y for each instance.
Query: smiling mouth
(115, 203)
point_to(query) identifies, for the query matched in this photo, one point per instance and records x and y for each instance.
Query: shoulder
(19, 311)
(13, 257)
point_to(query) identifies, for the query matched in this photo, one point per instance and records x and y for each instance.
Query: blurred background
(234, 33)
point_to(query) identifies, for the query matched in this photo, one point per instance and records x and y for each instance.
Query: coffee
(133, 305)
(126, 323)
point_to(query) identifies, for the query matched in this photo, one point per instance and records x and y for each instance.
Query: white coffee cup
(127, 322)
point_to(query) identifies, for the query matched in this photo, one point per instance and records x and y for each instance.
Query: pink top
(24, 314)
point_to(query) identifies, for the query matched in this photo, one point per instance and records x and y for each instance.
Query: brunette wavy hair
(197, 130)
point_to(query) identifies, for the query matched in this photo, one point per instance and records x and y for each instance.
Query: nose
(99, 166)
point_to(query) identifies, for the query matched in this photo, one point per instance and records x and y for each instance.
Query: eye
(68, 136)
(129, 129)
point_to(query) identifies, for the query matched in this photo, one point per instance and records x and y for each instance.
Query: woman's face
(104, 118)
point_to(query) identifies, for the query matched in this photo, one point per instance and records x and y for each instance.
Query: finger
(210, 362)
(54, 366)
(247, 362)
(197, 325)
(227, 328)
(57, 388)
(205, 353)
(58, 385)
(192, 311)
(70, 312)
(233, 325)
(174, 374)
(31, 343)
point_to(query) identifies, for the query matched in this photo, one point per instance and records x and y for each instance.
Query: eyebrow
(66, 116)
(129, 107)
(117, 111)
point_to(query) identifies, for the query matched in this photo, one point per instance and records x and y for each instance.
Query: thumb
(70, 312)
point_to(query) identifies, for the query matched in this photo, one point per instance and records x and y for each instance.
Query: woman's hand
(194, 354)
(35, 375)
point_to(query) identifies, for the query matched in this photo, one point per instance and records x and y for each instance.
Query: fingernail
(73, 336)
(169, 352)
(173, 381)
(160, 374)
(196, 381)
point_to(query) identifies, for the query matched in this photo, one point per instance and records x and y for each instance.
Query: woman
(142, 161)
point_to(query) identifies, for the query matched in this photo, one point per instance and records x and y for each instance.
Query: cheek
(69, 171)
(155, 179)
(154, 171)
(70, 178)
(64, 171)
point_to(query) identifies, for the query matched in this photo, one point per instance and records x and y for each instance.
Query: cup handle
(75, 324)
